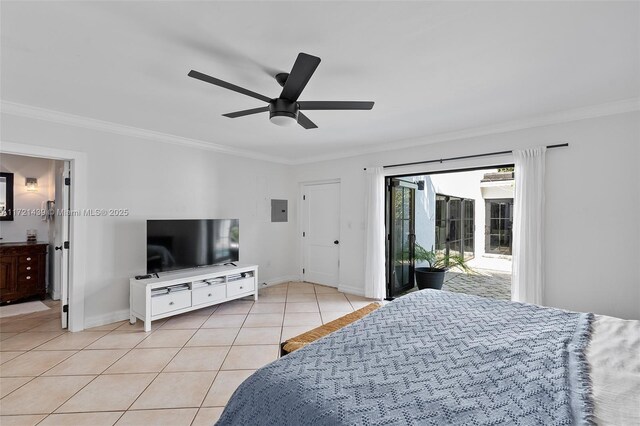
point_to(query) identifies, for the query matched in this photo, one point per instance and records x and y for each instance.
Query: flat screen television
(190, 243)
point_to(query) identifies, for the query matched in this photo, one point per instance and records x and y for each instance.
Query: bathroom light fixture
(31, 184)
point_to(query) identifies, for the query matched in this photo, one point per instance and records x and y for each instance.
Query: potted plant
(433, 275)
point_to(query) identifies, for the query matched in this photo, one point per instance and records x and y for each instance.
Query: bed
(435, 357)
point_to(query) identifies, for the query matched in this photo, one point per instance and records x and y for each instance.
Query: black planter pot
(429, 278)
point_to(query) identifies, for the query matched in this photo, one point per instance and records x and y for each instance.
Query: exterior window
(498, 227)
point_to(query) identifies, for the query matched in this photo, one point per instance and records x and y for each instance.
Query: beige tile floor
(183, 372)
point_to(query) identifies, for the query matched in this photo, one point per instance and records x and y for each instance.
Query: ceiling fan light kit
(285, 110)
(283, 120)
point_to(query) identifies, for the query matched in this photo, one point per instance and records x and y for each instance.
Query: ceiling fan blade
(246, 112)
(218, 82)
(302, 70)
(329, 105)
(304, 121)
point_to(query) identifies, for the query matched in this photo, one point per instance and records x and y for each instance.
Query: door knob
(336, 242)
(58, 248)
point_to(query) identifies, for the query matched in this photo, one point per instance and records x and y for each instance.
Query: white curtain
(527, 281)
(374, 276)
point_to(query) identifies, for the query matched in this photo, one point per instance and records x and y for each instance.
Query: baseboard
(105, 319)
(279, 280)
(357, 291)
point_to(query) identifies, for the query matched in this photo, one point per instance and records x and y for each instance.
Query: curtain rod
(464, 157)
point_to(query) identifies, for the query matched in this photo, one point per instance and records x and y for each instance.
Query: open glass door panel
(401, 236)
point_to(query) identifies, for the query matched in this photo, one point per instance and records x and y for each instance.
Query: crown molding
(28, 111)
(584, 113)
(594, 111)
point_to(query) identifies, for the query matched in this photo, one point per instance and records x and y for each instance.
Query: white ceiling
(431, 67)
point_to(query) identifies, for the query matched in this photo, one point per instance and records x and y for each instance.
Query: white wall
(592, 209)
(425, 214)
(462, 184)
(23, 167)
(593, 232)
(160, 180)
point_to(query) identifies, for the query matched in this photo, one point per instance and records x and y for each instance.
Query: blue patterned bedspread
(430, 358)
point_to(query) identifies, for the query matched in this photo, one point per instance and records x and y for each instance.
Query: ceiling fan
(286, 109)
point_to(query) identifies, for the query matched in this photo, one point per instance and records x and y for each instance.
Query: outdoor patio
(491, 278)
(485, 283)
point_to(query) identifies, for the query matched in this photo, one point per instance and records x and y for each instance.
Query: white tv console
(183, 291)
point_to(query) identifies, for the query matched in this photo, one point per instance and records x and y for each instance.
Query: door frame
(78, 201)
(301, 187)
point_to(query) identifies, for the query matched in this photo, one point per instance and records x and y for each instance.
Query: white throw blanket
(614, 358)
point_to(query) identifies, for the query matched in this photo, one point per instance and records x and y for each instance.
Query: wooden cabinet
(8, 281)
(22, 270)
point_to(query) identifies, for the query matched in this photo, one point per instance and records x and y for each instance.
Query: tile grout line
(197, 411)
(285, 313)
(28, 381)
(19, 318)
(318, 304)
(80, 412)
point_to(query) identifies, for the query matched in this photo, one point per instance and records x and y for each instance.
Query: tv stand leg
(147, 320)
(132, 319)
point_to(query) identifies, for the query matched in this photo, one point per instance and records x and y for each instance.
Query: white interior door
(61, 234)
(321, 233)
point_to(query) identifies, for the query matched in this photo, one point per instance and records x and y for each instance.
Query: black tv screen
(191, 243)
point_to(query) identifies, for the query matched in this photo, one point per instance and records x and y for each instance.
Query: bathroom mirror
(6, 196)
